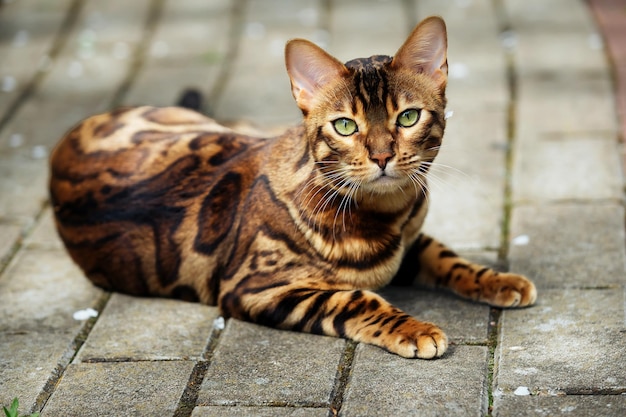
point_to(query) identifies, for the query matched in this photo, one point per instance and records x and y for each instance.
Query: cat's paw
(415, 339)
(509, 290)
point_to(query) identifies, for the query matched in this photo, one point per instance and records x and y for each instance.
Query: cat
(293, 232)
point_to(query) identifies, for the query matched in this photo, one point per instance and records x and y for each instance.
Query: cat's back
(126, 189)
(129, 140)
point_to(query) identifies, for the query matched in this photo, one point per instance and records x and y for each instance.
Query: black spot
(339, 323)
(481, 273)
(315, 310)
(274, 316)
(218, 213)
(374, 304)
(446, 253)
(185, 293)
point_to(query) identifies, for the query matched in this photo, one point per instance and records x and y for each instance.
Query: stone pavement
(530, 179)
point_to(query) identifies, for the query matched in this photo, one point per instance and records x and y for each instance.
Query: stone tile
(357, 37)
(11, 234)
(121, 389)
(542, 14)
(570, 245)
(562, 166)
(218, 411)
(553, 105)
(255, 365)
(27, 37)
(555, 50)
(41, 290)
(149, 329)
(22, 187)
(183, 56)
(466, 196)
(44, 235)
(267, 27)
(570, 405)
(463, 321)
(83, 79)
(27, 359)
(383, 384)
(476, 64)
(572, 342)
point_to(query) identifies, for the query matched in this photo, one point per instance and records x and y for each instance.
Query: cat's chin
(386, 185)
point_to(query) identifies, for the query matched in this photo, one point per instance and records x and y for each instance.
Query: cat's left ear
(425, 50)
(310, 68)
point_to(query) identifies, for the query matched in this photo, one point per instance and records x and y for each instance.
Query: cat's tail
(191, 98)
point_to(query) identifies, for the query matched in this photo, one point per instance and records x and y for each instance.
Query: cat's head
(374, 124)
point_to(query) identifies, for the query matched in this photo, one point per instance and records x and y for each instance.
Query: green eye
(345, 127)
(408, 118)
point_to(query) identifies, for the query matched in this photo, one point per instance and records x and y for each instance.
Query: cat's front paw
(415, 339)
(508, 290)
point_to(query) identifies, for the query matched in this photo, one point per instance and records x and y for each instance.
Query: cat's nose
(381, 158)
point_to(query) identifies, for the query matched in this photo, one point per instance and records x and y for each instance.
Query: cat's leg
(362, 316)
(440, 267)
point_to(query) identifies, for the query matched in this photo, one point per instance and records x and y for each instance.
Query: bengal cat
(292, 232)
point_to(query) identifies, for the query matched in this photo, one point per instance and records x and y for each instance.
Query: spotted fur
(293, 232)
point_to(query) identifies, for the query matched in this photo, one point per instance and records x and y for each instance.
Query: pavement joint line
(189, 398)
(511, 110)
(65, 28)
(344, 372)
(155, 12)
(493, 335)
(495, 314)
(70, 354)
(235, 32)
(26, 231)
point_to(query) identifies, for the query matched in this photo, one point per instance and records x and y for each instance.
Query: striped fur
(293, 232)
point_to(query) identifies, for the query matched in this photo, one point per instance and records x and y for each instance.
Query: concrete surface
(529, 177)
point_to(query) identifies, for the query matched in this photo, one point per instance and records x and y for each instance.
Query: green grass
(12, 410)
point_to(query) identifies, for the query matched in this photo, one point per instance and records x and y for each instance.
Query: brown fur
(294, 231)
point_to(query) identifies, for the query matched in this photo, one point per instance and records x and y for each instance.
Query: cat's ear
(310, 68)
(425, 50)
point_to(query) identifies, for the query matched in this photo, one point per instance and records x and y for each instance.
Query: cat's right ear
(310, 68)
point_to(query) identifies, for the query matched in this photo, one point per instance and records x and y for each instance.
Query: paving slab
(22, 187)
(267, 27)
(568, 166)
(255, 365)
(467, 197)
(555, 36)
(571, 342)
(120, 389)
(462, 320)
(382, 384)
(27, 361)
(564, 103)
(569, 405)
(83, 79)
(44, 235)
(182, 56)
(27, 34)
(132, 328)
(41, 290)
(352, 35)
(570, 245)
(217, 411)
(10, 236)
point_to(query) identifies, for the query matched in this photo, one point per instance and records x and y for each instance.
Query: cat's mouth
(385, 182)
